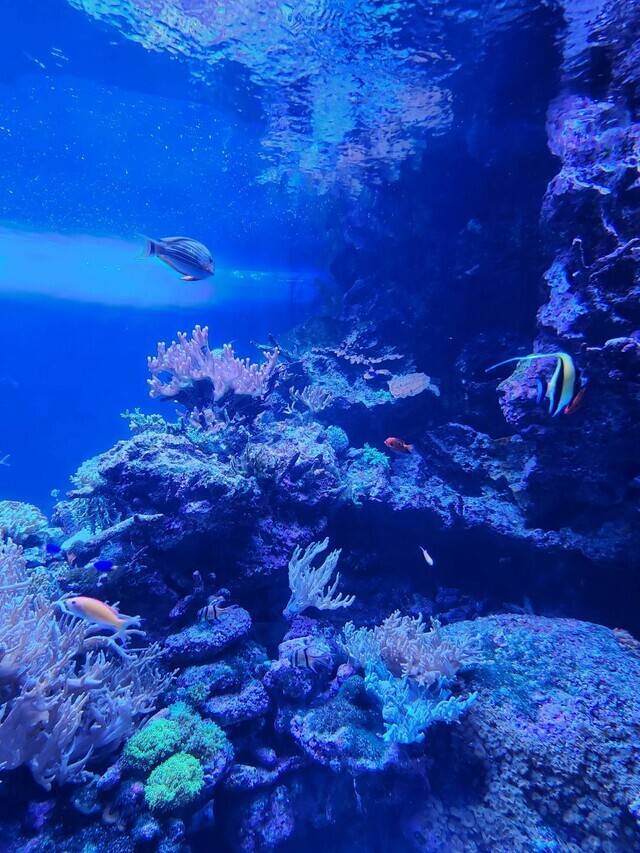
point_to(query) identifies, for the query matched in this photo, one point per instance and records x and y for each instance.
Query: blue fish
(186, 256)
(52, 548)
(103, 565)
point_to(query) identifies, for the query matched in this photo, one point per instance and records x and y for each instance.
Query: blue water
(102, 142)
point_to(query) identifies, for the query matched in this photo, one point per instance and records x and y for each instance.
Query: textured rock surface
(550, 749)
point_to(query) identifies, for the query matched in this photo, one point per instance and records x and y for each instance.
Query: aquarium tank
(319, 447)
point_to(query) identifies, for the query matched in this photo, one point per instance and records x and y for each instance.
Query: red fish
(576, 403)
(398, 445)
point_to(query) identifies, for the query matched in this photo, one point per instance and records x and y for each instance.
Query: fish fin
(189, 278)
(541, 385)
(523, 358)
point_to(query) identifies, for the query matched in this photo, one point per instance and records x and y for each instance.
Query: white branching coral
(310, 586)
(64, 700)
(313, 397)
(191, 360)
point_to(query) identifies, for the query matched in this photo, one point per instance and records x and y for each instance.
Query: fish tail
(409, 448)
(149, 248)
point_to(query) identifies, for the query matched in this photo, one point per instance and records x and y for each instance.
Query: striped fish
(561, 388)
(309, 657)
(184, 255)
(213, 611)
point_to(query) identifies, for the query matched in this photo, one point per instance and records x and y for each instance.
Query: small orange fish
(398, 445)
(576, 403)
(97, 613)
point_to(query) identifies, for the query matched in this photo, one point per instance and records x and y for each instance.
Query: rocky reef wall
(341, 648)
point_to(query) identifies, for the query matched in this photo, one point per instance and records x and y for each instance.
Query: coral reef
(254, 716)
(189, 362)
(66, 700)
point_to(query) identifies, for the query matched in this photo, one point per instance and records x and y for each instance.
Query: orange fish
(398, 445)
(98, 613)
(576, 403)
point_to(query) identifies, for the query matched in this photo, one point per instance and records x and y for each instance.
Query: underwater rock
(204, 641)
(196, 684)
(230, 709)
(244, 777)
(545, 756)
(345, 734)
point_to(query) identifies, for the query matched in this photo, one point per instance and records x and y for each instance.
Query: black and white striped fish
(213, 611)
(562, 388)
(186, 256)
(309, 657)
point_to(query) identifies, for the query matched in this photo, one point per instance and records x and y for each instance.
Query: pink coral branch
(191, 360)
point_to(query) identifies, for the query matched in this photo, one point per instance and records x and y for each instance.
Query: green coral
(175, 783)
(177, 748)
(206, 740)
(156, 741)
(140, 422)
(372, 456)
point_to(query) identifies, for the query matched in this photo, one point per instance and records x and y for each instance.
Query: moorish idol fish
(561, 388)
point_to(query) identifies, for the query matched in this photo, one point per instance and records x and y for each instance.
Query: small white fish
(427, 556)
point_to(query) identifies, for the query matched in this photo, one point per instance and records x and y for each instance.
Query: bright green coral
(156, 741)
(206, 740)
(175, 783)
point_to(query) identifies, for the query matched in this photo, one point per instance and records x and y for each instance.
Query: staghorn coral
(189, 360)
(407, 710)
(64, 701)
(309, 585)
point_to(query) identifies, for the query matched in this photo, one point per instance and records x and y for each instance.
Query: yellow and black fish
(561, 389)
